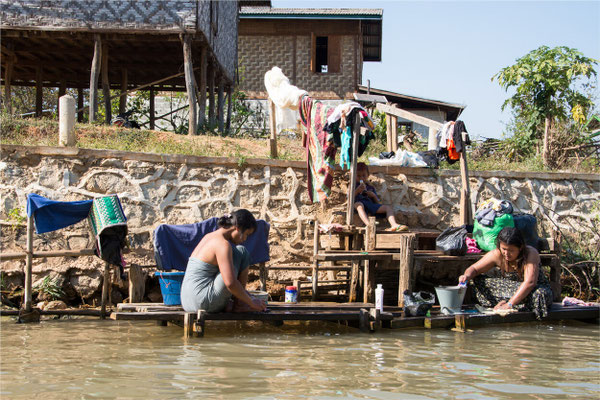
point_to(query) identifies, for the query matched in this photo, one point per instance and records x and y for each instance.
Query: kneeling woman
(521, 284)
(218, 269)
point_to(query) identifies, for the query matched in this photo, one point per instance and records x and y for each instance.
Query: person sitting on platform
(367, 203)
(218, 268)
(521, 285)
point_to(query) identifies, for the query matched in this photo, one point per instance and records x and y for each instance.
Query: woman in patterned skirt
(521, 285)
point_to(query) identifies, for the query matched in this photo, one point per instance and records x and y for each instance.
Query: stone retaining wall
(156, 189)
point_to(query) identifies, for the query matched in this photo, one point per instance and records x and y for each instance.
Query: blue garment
(203, 287)
(370, 206)
(50, 215)
(174, 244)
(346, 143)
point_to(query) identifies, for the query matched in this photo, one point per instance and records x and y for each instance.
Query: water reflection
(99, 359)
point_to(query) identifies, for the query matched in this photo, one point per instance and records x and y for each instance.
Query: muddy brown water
(90, 359)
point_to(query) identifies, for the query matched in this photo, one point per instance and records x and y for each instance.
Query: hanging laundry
(320, 149)
(345, 161)
(459, 128)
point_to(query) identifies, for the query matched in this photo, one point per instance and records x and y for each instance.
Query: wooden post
(188, 324)
(432, 142)
(39, 92)
(7, 81)
(388, 132)
(351, 185)
(62, 90)
(466, 213)
(199, 326)
(394, 123)
(29, 264)
(80, 104)
(106, 86)
(202, 87)
(405, 266)
(221, 105)
(273, 125)
(123, 97)
(137, 284)
(152, 110)
(190, 84)
(354, 281)
(229, 108)
(211, 95)
(105, 289)
(94, 75)
(315, 269)
(369, 274)
(363, 321)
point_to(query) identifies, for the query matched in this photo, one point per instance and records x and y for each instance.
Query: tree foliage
(551, 85)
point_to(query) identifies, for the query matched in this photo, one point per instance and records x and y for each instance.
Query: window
(326, 54)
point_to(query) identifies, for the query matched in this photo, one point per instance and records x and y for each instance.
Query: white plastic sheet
(402, 158)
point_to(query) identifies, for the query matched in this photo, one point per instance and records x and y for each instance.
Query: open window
(326, 54)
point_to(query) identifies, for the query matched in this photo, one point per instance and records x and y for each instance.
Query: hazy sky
(449, 50)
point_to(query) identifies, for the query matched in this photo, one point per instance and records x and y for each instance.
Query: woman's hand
(463, 279)
(258, 305)
(503, 305)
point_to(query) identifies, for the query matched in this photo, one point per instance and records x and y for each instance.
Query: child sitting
(367, 203)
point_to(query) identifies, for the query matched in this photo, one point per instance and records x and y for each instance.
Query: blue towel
(50, 215)
(174, 244)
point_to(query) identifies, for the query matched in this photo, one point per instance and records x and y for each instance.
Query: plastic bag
(417, 304)
(452, 241)
(402, 158)
(486, 235)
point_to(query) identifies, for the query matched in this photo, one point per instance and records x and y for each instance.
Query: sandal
(399, 228)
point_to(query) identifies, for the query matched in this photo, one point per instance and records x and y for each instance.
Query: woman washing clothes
(521, 285)
(218, 268)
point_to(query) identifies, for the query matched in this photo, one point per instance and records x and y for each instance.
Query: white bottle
(379, 297)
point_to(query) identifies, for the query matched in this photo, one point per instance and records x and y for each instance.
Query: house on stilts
(161, 46)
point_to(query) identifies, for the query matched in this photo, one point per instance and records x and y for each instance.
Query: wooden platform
(361, 315)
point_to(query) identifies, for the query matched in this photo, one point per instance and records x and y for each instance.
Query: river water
(89, 358)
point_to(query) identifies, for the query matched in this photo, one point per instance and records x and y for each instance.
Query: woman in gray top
(218, 268)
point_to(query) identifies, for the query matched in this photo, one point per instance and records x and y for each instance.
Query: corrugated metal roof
(268, 12)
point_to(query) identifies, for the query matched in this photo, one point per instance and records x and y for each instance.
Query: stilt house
(163, 45)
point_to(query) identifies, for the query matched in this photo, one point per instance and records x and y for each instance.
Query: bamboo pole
(273, 126)
(466, 213)
(152, 110)
(202, 87)
(29, 264)
(106, 86)
(47, 254)
(394, 123)
(221, 106)
(229, 108)
(39, 92)
(123, 95)
(80, 106)
(211, 95)
(190, 84)
(315, 269)
(7, 81)
(94, 75)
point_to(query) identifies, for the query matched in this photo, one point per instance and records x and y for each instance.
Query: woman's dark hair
(241, 218)
(513, 236)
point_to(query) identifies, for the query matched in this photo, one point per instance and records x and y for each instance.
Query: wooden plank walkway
(362, 315)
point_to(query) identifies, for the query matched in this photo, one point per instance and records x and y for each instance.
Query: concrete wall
(157, 189)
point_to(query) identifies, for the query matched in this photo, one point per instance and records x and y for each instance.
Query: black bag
(527, 224)
(452, 241)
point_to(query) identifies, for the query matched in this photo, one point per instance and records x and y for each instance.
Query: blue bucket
(170, 287)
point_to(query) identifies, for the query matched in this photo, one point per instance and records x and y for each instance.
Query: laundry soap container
(451, 298)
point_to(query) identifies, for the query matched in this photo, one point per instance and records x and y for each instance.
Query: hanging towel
(320, 149)
(174, 244)
(51, 215)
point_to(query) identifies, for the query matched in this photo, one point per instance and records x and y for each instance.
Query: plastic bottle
(379, 297)
(291, 294)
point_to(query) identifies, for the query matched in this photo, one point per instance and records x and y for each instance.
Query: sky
(449, 50)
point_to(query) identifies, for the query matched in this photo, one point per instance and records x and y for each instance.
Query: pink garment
(331, 228)
(472, 246)
(572, 301)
